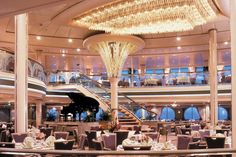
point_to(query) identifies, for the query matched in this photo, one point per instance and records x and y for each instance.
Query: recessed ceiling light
(178, 38)
(226, 42)
(38, 37)
(63, 55)
(78, 49)
(70, 40)
(179, 47)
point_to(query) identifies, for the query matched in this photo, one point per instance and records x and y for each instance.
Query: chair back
(64, 145)
(3, 136)
(7, 145)
(120, 136)
(195, 127)
(90, 136)
(215, 142)
(183, 141)
(204, 133)
(76, 135)
(109, 141)
(62, 134)
(81, 141)
(97, 144)
(47, 131)
(178, 130)
(19, 137)
(137, 129)
(153, 135)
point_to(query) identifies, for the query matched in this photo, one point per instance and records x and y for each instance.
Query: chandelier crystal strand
(148, 16)
(114, 55)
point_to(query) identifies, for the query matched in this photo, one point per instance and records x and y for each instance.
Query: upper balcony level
(36, 78)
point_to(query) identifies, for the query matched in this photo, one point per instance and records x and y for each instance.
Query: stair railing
(103, 92)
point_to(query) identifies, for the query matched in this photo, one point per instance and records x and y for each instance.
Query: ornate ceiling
(53, 21)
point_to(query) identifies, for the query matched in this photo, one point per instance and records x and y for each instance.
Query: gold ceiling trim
(148, 16)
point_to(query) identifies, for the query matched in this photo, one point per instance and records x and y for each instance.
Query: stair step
(125, 117)
(128, 123)
(127, 120)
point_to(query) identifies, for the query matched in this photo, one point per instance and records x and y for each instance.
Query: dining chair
(183, 141)
(120, 136)
(47, 131)
(76, 135)
(19, 137)
(137, 129)
(153, 135)
(204, 133)
(81, 141)
(109, 141)
(90, 136)
(64, 145)
(3, 136)
(62, 134)
(178, 130)
(215, 142)
(195, 127)
(97, 144)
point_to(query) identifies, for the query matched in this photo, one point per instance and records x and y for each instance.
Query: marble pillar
(21, 73)
(212, 64)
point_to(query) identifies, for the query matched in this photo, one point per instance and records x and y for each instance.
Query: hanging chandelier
(148, 16)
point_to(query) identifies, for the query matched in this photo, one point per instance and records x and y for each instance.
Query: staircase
(95, 90)
(127, 118)
(103, 102)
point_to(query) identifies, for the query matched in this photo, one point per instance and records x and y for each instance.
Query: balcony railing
(7, 64)
(147, 80)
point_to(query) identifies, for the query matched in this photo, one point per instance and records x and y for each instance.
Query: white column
(114, 97)
(213, 76)
(21, 72)
(38, 113)
(233, 69)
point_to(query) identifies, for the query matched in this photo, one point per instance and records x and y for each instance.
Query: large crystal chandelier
(148, 16)
(113, 49)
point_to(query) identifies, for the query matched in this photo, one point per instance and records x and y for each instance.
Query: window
(141, 112)
(125, 72)
(174, 70)
(53, 78)
(184, 70)
(199, 69)
(160, 71)
(227, 70)
(222, 113)
(168, 114)
(149, 71)
(191, 113)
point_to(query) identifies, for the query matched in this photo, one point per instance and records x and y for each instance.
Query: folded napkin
(28, 142)
(49, 142)
(60, 140)
(220, 135)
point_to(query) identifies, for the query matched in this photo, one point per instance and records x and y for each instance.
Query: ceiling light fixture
(70, 40)
(38, 37)
(78, 49)
(178, 38)
(226, 42)
(179, 47)
(148, 16)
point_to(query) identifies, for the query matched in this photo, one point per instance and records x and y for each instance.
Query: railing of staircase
(102, 91)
